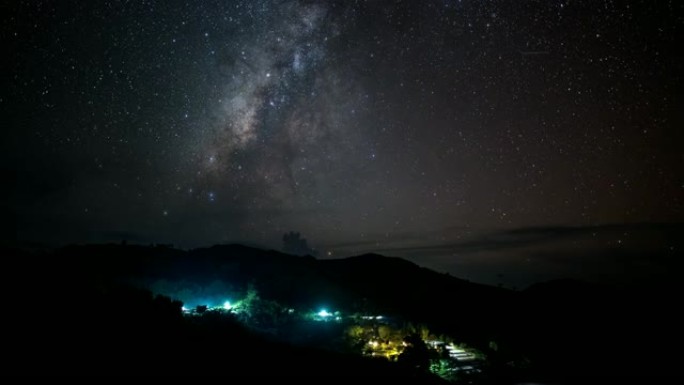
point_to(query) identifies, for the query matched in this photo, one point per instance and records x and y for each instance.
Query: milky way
(280, 100)
(425, 129)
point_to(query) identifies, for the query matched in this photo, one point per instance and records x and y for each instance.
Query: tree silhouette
(416, 353)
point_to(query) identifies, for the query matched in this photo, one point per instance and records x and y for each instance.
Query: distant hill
(567, 329)
(368, 282)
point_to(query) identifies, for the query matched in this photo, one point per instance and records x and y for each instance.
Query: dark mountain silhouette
(365, 283)
(95, 298)
(463, 308)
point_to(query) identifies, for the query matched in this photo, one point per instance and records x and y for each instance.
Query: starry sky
(502, 140)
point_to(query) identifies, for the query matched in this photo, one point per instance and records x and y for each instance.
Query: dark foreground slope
(152, 337)
(66, 320)
(81, 309)
(577, 330)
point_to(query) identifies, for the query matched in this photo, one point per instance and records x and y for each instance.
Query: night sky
(506, 140)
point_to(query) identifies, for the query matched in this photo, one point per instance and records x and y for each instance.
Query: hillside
(102, 297)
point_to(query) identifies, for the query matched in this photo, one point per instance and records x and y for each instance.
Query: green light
(227, 305)
(324, 313)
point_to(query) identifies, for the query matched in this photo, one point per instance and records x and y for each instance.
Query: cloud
(536, 236)
(615, 253)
